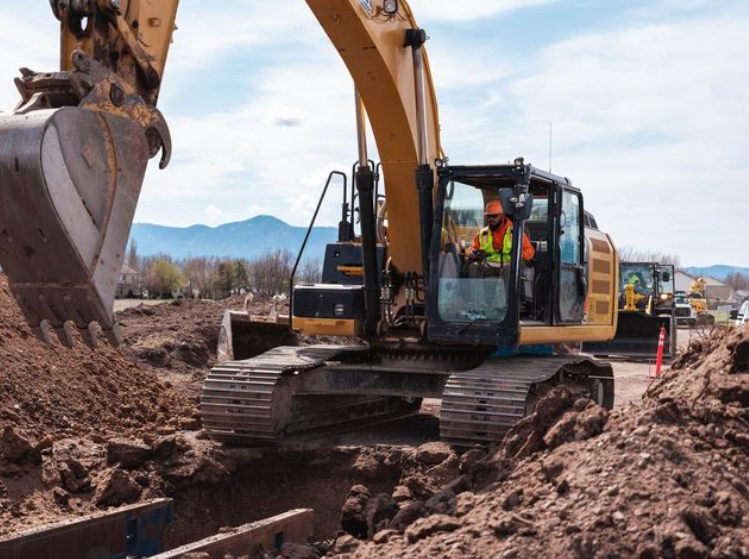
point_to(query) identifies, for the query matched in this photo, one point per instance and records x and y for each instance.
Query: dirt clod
(115, 487)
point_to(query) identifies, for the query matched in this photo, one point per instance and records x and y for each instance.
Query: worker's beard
(497, 225)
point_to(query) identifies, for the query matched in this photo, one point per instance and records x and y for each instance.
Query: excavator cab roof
(484, 176)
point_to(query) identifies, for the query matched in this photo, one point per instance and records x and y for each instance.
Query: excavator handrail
(309, 232)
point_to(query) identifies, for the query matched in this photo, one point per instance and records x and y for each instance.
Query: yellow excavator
(436, 315)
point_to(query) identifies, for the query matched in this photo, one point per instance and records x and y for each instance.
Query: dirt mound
(668, 477)
(180, 336)
(50, 390)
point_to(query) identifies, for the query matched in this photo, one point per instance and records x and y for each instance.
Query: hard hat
(494, 207)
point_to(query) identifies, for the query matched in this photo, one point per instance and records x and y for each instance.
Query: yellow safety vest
(486, 244)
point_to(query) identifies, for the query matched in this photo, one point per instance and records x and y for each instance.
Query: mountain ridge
(716, 271)
(247, 239)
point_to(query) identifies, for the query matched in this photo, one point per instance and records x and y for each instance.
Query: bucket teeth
(114, 336)
(65, 334)
(43, 332)
(91, 335)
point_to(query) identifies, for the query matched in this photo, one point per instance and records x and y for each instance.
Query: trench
(278, 481)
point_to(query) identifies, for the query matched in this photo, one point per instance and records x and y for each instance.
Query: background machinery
(698, 299)
(427, 326)
(646, 305)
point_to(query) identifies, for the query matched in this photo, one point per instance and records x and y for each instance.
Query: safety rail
(345, 214)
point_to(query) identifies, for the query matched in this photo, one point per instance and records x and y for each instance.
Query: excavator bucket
(244, 336)
(637, 337)
(69, 184)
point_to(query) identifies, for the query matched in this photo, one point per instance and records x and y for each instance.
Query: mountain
(245, 239)
(717, 271)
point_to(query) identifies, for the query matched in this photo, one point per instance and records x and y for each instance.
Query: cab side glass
(572, 280)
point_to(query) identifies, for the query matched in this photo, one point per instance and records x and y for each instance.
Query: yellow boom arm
(372, 45)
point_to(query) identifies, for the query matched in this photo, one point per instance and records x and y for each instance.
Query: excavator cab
(646, 307)
(485, 301)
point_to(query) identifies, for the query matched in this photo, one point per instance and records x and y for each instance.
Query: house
(129, 285)
(683, 281)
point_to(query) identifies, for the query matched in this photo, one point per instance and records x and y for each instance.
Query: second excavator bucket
(637, 337)
(244, 335)
(70, 179)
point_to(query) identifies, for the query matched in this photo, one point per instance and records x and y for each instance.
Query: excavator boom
(73, 157)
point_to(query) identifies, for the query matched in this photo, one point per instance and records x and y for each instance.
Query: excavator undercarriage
(292, 391)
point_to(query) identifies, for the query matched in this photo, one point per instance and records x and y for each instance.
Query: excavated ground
(83, 431)
(665, 476)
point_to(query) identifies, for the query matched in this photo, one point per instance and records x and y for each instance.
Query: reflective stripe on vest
(486, 244)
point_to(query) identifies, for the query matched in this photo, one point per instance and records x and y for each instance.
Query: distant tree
(164, 277)
(241, 277)
(271, 272)
(225, 279)
(133, 260)
(311, 272)
(632, 254)
(738, 281)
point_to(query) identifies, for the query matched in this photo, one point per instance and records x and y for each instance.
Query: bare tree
(270, 273)
(632, 254)
(311, 272)
(133, 259)
(738, 281)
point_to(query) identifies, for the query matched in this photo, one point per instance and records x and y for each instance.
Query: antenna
(551, 143)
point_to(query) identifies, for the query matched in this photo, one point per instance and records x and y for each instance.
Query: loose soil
(664, 476)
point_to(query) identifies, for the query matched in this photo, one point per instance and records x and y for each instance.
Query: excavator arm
(73, 157)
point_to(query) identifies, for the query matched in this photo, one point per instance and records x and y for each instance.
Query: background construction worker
(491, 250)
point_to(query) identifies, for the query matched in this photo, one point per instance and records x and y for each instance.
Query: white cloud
(650, 121)
(468, 10)
(216, 215)
(649, 112)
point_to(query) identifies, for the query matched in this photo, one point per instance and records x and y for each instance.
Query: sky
(648, 100)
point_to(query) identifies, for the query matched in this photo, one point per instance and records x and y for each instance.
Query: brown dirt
(84, 430)
(667, 477)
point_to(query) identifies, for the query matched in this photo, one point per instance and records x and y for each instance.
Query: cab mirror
(734, 314)
(665, 277)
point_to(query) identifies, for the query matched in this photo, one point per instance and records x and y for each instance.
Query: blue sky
(649, 100)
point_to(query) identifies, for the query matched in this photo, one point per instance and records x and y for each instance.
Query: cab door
(572, 284)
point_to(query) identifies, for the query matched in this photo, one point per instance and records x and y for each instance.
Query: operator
(491, 250)
(634, 279)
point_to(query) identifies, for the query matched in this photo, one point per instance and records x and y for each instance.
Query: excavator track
(252, 403)
(480, 406)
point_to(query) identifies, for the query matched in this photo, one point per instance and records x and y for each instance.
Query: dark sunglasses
(492, 216)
